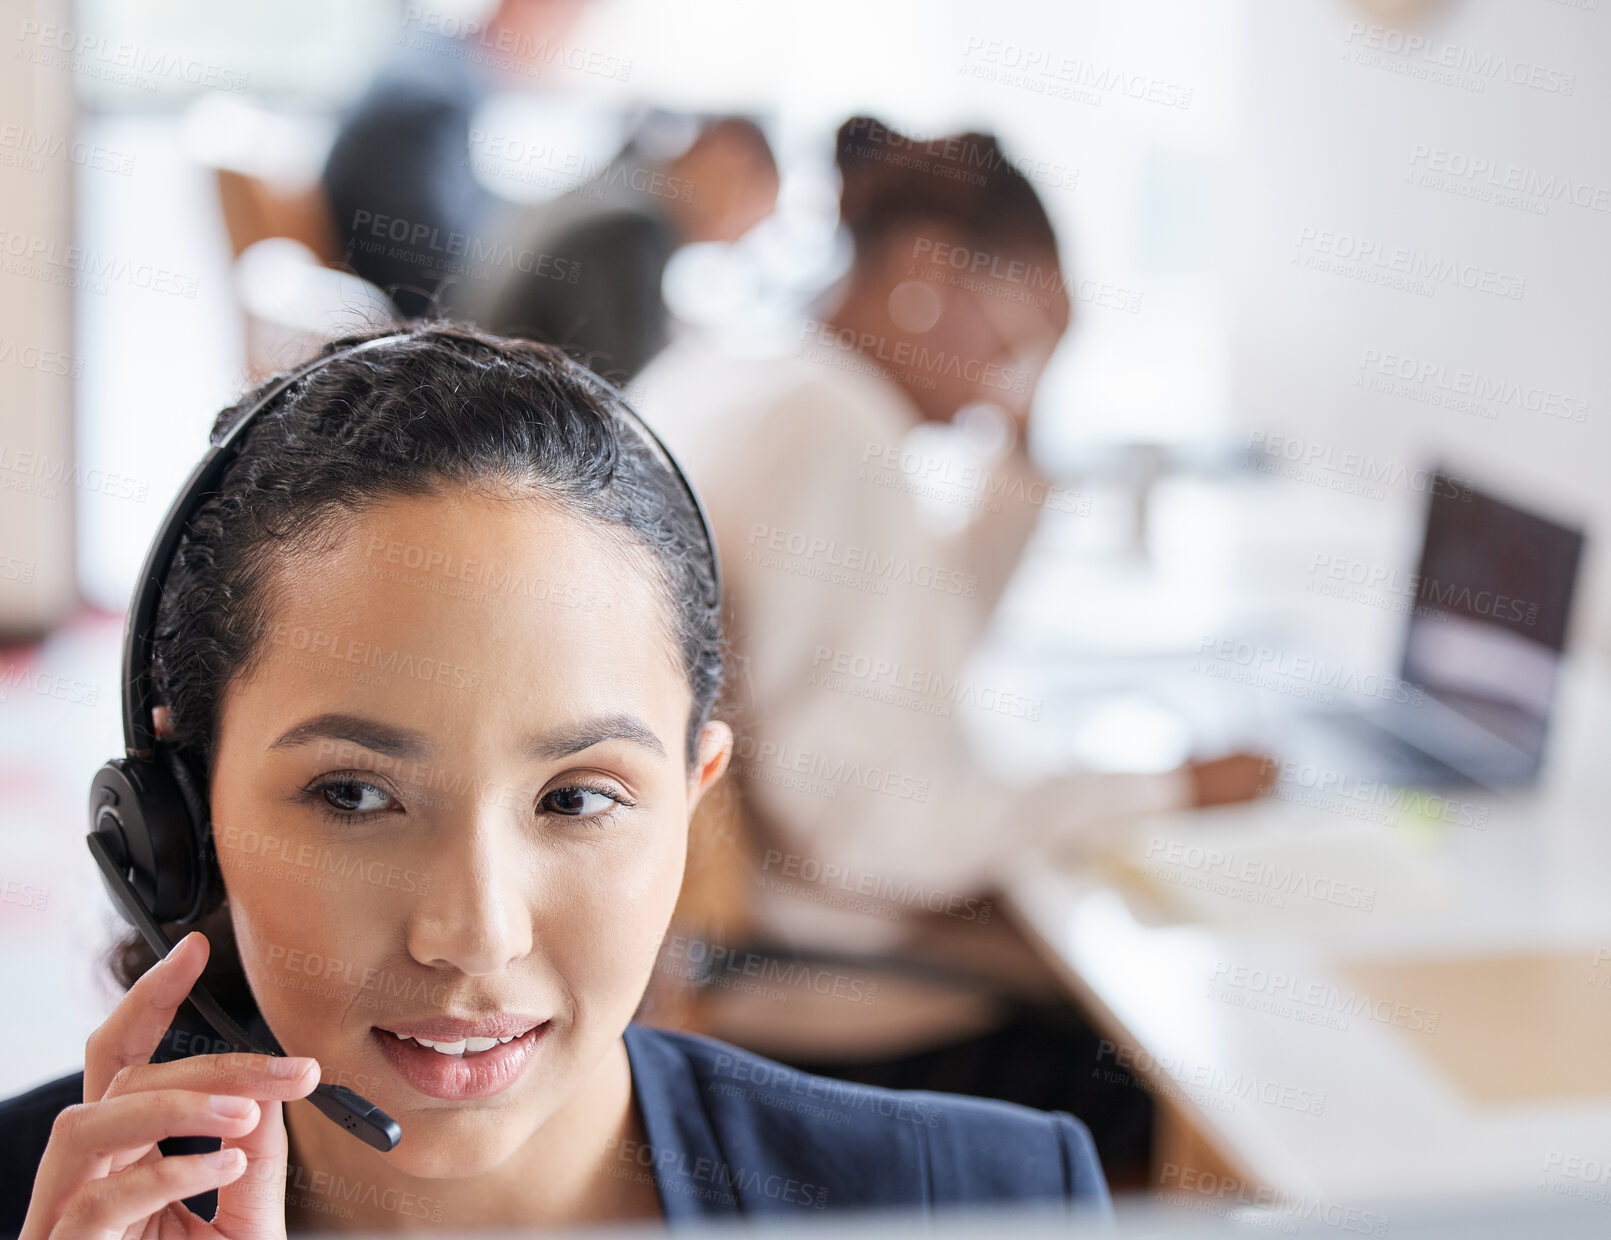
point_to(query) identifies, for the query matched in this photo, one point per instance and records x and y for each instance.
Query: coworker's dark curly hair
(444, 406)
(889, 178)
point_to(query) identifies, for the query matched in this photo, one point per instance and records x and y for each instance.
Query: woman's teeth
(465, 1046)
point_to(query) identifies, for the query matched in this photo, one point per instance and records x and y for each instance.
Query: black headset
(149, 830)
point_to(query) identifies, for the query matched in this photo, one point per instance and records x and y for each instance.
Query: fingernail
(291, 1065)
(232, 1106)
(223, 1159)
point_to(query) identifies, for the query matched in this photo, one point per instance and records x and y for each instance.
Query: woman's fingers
(106, 1208)
(236, 1098)
(133, 1031)
(92, 1139)
(135, 1120)
(264, 1077)
(254, 1204)
(102, 1173)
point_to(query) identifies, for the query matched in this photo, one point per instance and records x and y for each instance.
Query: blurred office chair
(266, 165)
(255, 209)
(292, 304)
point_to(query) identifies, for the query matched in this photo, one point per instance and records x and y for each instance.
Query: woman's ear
(715, 751)
(162, 722)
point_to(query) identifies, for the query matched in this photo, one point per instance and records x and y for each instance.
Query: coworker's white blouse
(829, 562)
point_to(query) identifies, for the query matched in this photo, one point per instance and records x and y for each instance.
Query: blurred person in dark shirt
(398, 179)
(599, 252)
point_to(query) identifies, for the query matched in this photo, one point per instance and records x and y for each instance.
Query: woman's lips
(456, 1078)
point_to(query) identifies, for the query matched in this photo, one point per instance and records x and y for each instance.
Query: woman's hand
(102, 1175)
(1234, 777)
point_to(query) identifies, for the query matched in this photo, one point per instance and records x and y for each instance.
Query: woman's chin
(442, 1156)
(456, 1140)
(461, 1140)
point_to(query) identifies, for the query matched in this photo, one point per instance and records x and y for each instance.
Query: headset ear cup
(192, 787)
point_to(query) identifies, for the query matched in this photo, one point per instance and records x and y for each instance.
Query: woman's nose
(475, 915)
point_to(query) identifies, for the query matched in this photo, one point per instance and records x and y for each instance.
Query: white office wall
(1343, 135)
(1180, 204)
(38, 367)
(1123, 114)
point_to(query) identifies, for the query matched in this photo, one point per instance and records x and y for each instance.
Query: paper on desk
(1282, 868)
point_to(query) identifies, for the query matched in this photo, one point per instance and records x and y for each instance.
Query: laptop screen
(1493, 595)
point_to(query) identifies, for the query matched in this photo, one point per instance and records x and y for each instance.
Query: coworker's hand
(1235, 777)
(102, 1174)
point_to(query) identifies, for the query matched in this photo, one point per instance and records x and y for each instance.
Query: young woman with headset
(418, 691)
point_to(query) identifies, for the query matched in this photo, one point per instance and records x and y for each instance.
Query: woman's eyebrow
(395, 742)
(617, 725)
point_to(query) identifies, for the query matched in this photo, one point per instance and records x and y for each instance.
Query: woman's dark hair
(444, 406)
(888, 178)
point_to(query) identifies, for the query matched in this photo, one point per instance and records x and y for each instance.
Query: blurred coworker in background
(403, 150)
(880, 837)
(680, 179)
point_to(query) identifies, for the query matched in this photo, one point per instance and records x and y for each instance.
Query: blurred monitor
(1493, 594)
(1481, 653)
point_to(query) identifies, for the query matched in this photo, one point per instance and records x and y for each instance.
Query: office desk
(1286, 1029)
(1334, 1008)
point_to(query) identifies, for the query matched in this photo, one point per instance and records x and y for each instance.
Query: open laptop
(1481, 653)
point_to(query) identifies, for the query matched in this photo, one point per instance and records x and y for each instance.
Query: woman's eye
(353, 796)
(582, 802)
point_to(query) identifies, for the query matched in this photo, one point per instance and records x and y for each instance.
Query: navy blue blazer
(728, 1132)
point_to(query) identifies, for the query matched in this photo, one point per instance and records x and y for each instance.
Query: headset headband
(139, 728)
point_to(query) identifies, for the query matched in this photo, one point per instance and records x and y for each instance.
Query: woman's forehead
(482, 548)
(479, 597)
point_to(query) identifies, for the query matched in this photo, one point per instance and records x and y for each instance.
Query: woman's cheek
(292, 954)
(605, 933)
